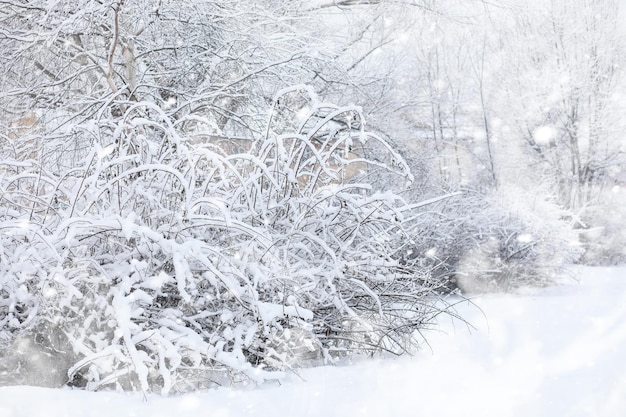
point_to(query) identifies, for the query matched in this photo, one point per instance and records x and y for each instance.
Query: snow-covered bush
(601, 228)
(167, 265)
(477, 243)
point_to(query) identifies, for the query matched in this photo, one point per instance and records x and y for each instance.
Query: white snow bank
(556, 352)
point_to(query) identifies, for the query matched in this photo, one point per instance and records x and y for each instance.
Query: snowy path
(556, 353)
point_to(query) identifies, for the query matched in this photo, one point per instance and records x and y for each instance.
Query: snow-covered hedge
(157, 264)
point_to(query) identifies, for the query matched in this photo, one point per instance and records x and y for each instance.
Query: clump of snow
(544, 135)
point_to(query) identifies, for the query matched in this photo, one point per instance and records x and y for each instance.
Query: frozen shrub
(170, 266)
(479, 244)
(601, 229)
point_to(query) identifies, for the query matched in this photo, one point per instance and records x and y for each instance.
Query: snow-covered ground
(555, 353)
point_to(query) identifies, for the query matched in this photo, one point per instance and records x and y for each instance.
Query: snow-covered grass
(551, 352)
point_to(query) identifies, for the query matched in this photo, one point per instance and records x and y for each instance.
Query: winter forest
(196, 193)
